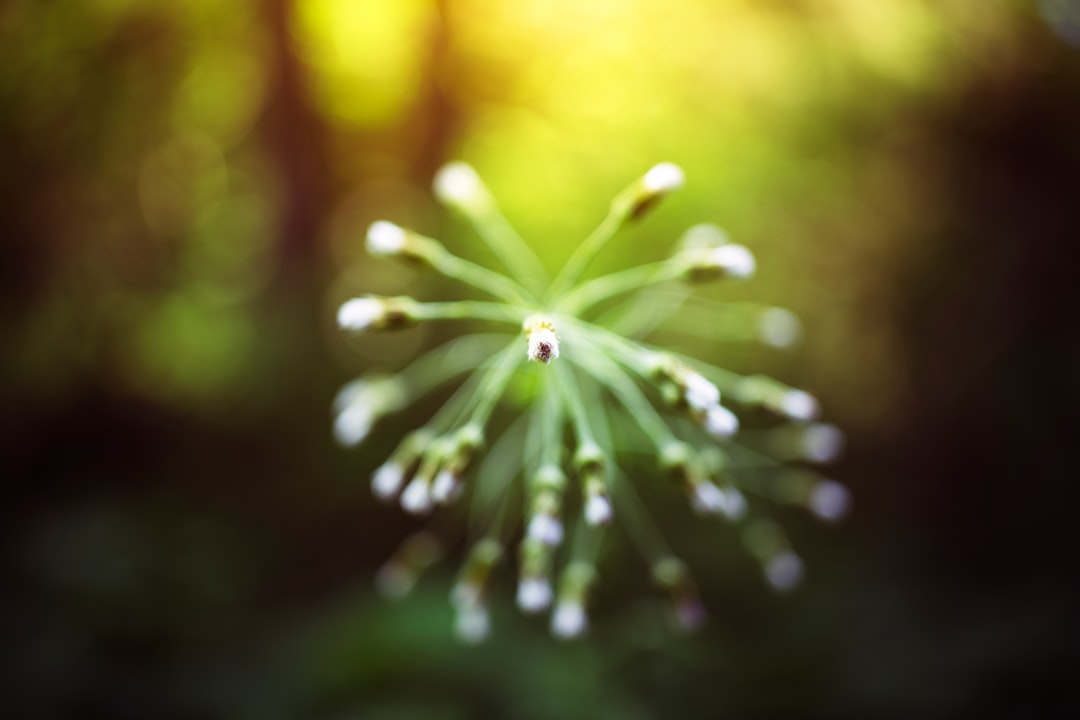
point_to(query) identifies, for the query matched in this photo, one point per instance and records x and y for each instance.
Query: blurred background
(185, 188)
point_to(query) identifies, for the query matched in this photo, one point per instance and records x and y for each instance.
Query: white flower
(720, 422)
(597, 510)
(569, 620)
(543, 345)
(829, 500)
(416, 498)
(707, 498)
(784, 570)
(700, 394)
(387, 480)
(385, 238)
(664, 178)
(534, 594)
(353, 424)
(445, 487)
(457, 184)
(734, 260)
(798, 405)
(361, 313)
(546, 529)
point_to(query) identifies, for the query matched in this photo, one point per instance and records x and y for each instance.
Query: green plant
(592, 390)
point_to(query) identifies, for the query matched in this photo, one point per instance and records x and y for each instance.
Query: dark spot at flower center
(543, 351)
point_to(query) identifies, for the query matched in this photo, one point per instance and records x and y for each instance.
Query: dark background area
(184, 192)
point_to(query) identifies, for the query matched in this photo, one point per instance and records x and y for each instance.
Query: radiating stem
(586, 251)
(479, 277)
(511, 248)
(449, 360)
(572, 395)
(623, 387)
(471, 310)
(587, 294)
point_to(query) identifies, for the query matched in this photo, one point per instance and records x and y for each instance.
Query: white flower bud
(734, 260)
(720, 422)
(416, 499)
(387, 480)
(784, 570)
(569, 620)
(545, 529)
(361, 313)
(707, 498)
(534, 594)
(353, 424)
(829, 500)
(664, 178)
(597, 510)
(457, 184)
(798, 405)
(700, 394)
(385, 238)
(445, 487)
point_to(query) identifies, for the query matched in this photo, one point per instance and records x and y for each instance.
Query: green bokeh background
(185, 189)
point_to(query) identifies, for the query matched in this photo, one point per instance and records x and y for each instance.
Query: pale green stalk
(470, 310)
(587, 294)
(479, 277)
(586, 251)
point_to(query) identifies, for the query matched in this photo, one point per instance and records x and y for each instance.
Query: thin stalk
(489, 281)
(587, 294)
(450, 359)
(637, 405)
(510, 247)
(471, 310)
(572, 395)
(586, 251)
(494, 384)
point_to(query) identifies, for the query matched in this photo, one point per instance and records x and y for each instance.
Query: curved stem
(489, 281)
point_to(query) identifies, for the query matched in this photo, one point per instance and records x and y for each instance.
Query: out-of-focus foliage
(185, 187)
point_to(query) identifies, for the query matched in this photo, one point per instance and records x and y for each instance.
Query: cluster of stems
(553, 480)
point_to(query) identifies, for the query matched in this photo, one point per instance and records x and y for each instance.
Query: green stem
(572, 395)
(471, 310)
(510, 247)
(586, 251)
(449, 360)
(489, 281)
(494, 384)
(587, 294)
(609, 374)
